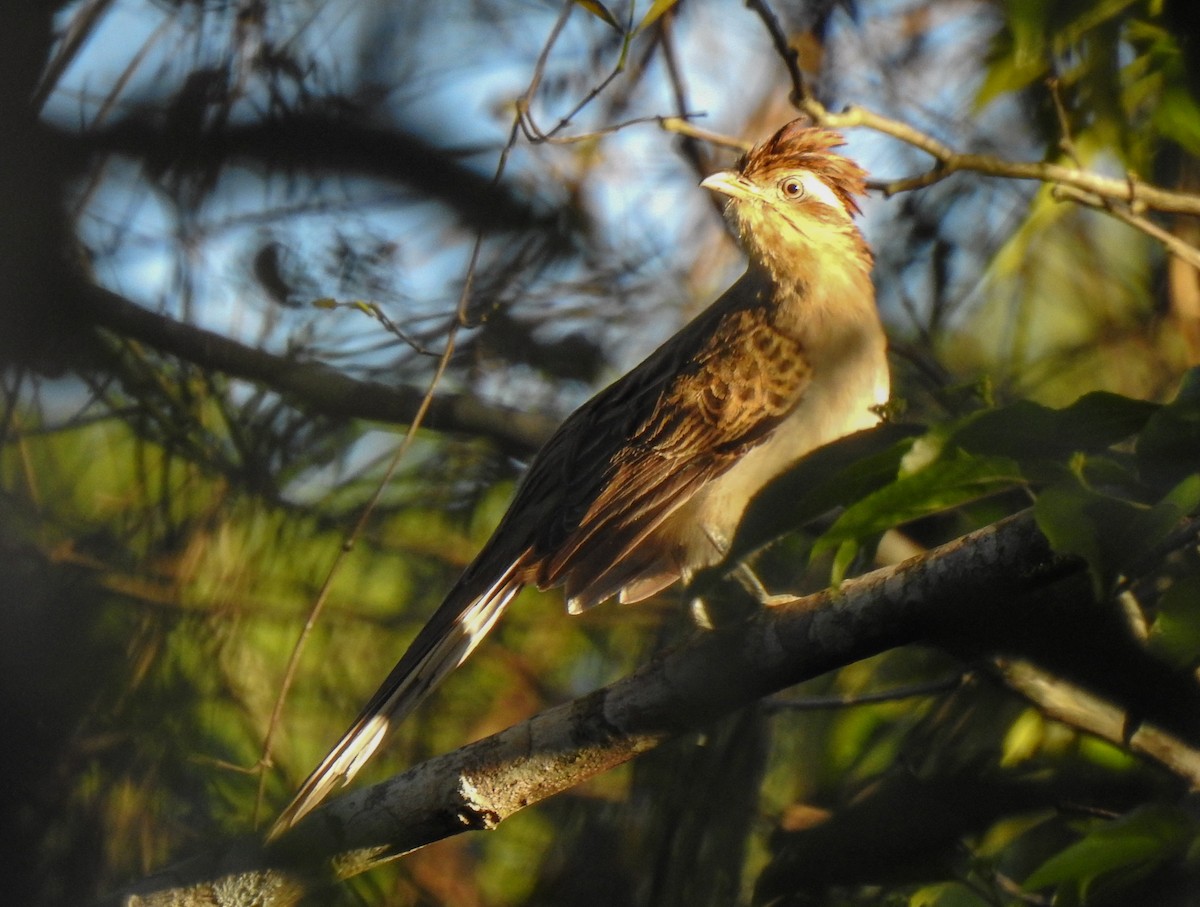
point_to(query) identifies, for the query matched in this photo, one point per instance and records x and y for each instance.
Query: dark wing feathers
(745, 379)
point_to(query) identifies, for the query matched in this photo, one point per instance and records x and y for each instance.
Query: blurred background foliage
(222, 221)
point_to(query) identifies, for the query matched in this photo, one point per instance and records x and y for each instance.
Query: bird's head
(792, 193)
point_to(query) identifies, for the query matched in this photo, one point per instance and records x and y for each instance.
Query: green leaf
(831, 476)
(1175, 633)
(1079, 521)
(1024, 738)
(1112, 534)
(1154, 524)
(946, 894)
(1168, 448)
(1022, 55)
(1177, 116)
(953, 478)
(843, 559)
(1135, 843)
(1026, 431)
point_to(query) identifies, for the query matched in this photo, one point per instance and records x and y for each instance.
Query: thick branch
(480, 785)
(977, 578)
(314, 384)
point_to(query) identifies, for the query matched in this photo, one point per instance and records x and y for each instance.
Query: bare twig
(375, 310)
(79, 29)
(321, 388)
(1130, 191)
(683, 127)
(460, 321)
(1066, 140)
(800, 95)
(538, 136)
(1174, 244)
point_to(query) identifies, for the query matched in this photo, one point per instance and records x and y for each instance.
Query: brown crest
(802, 146)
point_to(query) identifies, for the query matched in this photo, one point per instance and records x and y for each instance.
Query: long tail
(456, 628)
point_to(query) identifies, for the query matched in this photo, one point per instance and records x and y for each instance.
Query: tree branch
(315, 385)
(1080, 708)
(478, 786)
(1133, 192)
(330, 144)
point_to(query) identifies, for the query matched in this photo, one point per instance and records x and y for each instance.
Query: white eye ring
(792, 187)
(808, 185)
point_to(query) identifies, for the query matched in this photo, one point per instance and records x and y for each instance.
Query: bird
(644, 484)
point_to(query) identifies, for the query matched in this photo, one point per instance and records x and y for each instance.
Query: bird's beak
(731, 183)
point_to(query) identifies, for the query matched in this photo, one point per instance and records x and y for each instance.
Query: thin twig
(539, 70)
(948, 161)
(800, 95)
(689, 145)
(1066, 140)
(460, 321)
(683, 127)
(1173, 243)
(376, 311)
(536, 135)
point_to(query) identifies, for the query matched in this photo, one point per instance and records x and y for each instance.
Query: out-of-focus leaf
(1177, 117)
(600, 11)
(1026, 430)
(1023, 56)
(654, 13)
(954, 478)
(1168, 448)
(1157, 80)
(946, 894)
(1080, 521)
(1024, 738)
(1175, 633)
(1134, 844)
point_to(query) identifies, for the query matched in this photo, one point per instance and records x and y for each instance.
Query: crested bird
(645, 483)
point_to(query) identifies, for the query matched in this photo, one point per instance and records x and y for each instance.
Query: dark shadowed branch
(314, 385)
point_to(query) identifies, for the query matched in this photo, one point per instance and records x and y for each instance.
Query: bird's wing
(452, 633)
(606, 480)
(744, 379)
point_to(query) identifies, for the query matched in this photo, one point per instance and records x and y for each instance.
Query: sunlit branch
(1173, 243)
(1139, 195)
(480, 785)
(1091, 188)
(1073, 705)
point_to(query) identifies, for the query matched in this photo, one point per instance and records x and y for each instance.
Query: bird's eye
(791, 187)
